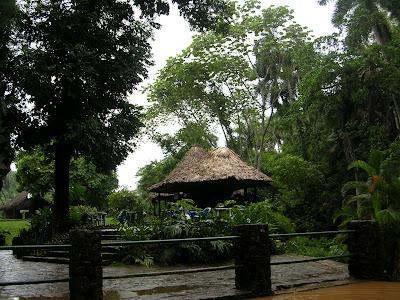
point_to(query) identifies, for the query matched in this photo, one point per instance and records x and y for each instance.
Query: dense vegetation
(66, 70)
(300, 109)
(321, 116)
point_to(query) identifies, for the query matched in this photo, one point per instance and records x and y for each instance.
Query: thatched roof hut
(213, 172)
(22, 202)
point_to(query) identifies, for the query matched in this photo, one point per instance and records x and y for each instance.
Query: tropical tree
(362, 17)
(76, 61)
(236, 81)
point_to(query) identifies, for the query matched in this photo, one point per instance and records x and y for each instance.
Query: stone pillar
(85, 270)
(252, 259)
(366, 247)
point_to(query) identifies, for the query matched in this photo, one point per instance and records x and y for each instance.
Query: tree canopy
(88, 186)
(298, 107)
(74, 64)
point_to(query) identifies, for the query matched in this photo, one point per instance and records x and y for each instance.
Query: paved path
(187, 286)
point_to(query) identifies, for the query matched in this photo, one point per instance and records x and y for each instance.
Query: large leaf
(362, 186)
(359, 164)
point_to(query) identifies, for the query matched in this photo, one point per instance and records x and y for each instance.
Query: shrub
(178, 225)
(262, 212)
(127, 200)
(315, 247)
(3, 235)
(77, 214)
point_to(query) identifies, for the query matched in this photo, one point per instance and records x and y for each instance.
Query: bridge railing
(252, 244)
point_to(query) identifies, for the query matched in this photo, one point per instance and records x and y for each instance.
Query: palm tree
(363, 17)
(377, 198)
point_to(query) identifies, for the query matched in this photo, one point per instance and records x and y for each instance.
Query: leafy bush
(178, 225)
(262, 212)
(314, 247)
(3, 235)
(127, 200)
(300, 188)
(77, 213)
(41, 229)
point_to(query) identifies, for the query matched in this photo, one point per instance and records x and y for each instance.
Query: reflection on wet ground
(184, 286)
(356, 291)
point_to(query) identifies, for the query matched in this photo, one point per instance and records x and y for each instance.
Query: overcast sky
(173, 37)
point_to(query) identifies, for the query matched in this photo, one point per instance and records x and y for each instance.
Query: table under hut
(210, 177)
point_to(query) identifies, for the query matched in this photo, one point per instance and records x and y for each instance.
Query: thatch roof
(22, 201)
(200, 168)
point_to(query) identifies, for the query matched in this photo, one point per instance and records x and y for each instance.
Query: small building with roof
(22, 206)
(210, 177)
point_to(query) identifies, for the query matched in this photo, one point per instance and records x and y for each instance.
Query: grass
(13, 227)
(315, 247)
(111, 221)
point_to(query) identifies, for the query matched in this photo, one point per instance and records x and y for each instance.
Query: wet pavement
(185, 286)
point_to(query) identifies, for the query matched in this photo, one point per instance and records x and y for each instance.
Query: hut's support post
(159, 207)
(246, 196)
(255, 195)
(252, 259)
(85, 270)
(154, 207)
(365, 245)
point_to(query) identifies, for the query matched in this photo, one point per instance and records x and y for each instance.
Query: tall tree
(8, 11)
(77, 61)
(360, 18)
(237, 80)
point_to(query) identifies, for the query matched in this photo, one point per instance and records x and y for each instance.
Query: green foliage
(314, 247)
(361, 18)
(378, 197)
(216, 82)
(262, 212)
(10, 187)
(35, 174)
(154, 172)
(8, 12)
(299, 191)
(127, 200)
(179, 226)
(77, 214)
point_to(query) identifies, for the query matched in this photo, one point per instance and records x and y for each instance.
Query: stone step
(111, 237)
(112, 249)
(108, 231)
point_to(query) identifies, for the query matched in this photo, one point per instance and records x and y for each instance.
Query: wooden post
(252, 259)
(366, 248)
(85, 270)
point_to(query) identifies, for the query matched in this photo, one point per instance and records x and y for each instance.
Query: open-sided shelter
(209, 177)
(21, 205)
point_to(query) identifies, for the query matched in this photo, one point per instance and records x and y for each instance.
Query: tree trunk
(381, 33)
(61, 197)
(6, 153)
